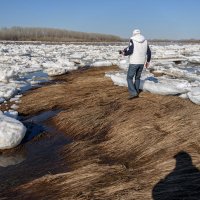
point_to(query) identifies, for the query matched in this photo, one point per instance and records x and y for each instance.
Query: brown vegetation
(53, 35)
(121, 148)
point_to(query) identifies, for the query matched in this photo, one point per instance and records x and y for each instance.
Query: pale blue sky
(157, 19)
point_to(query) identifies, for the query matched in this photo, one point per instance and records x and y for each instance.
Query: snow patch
(194, 95)
(102, 64)
(12, 132)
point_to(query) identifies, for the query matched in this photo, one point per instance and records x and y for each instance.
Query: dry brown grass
(121, 149)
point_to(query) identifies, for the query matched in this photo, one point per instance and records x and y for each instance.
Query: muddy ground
(97, 144)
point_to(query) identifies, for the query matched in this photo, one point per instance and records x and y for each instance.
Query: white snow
(59, 70)
(12, 132)
(11, 113)
(6, 74)
(179, 69)
(194, 95)
(194, 59)
(119, 79)
(7, 90)
(55, 71)
(165, 86)
(161, 85)
(25, 65)
(102, 64)
(19, 61)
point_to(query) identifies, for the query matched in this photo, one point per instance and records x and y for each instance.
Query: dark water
(39, 77)
(36, 128)
(35, 124)
(39, 154)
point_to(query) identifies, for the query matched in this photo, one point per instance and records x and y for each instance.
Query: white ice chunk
(11, 113)
(55, 71)
(184, 96)
(16, 98)
(194, 95)
(102, 64)
(71, 68)
(194, 59)
(165, 86)
(7, 91)
(6, 74)
(123, 64)
(119, 79)
(77, 55)
(12, 132)
(14, 107)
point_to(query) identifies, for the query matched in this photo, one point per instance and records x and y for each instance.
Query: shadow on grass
(182, 183)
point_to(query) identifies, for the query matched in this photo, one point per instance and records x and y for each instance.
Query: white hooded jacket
(140, 50)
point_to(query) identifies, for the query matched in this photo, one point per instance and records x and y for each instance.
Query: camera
(120, 52)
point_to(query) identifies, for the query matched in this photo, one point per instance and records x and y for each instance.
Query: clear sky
(157, 19)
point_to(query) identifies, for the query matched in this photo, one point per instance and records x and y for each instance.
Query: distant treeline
(53, 35)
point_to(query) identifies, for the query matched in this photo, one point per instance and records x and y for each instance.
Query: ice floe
(174, 70)
(194, 95)
(102, 63)
(163, 85)
(23, 66)
(12, 132)
(11, 113)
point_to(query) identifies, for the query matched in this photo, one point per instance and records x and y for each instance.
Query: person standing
(139, 56)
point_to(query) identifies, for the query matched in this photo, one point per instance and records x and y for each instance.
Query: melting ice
(174, 70)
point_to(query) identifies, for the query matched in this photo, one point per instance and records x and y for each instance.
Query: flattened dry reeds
(121, 149)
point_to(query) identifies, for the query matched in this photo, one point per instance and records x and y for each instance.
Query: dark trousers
(134, 70)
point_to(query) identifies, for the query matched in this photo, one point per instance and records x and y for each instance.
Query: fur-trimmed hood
(138, 38)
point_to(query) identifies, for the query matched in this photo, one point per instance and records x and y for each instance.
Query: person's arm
(129, 50)
(148, 56)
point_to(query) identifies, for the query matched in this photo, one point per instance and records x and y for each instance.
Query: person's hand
(121, 52)
(147, 64)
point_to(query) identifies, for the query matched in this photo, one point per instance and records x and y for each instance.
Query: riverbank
(103, 146)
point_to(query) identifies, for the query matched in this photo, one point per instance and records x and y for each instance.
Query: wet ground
(86, 140)
(37, 155)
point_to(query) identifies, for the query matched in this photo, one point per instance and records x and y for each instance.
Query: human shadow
(183, 183)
